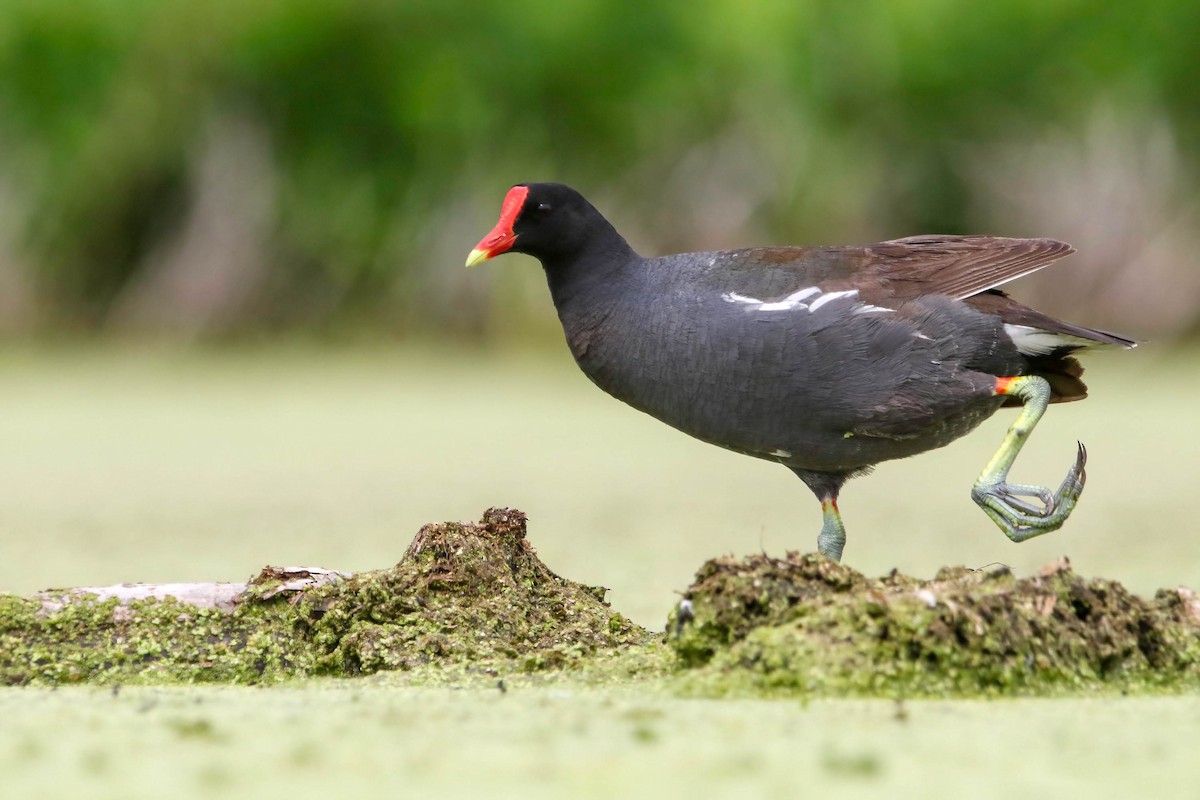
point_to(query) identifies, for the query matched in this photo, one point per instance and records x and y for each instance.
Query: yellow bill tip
(478, 257)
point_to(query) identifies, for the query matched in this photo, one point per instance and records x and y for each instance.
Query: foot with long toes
(1010, 505)
(1021, 520)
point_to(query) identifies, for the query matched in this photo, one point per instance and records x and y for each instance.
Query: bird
(827, 359)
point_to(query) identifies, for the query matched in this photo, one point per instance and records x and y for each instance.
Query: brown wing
(957, 266)
(887, 272)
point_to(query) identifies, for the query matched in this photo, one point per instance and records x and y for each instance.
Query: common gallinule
(827, 360)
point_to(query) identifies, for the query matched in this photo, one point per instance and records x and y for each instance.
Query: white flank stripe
(780, 453)
(793, 300)
(825, 298)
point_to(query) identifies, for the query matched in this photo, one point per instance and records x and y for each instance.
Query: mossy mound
(462, 594)
(810, 625)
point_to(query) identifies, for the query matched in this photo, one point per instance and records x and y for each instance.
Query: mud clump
(464, 594)
(813, 626)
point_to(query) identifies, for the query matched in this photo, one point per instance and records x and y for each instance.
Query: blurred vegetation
(262, 165)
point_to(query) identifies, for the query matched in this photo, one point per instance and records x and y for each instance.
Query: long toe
(1013, 492)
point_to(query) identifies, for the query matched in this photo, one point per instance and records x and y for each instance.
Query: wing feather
(895, 271)
(957, 266)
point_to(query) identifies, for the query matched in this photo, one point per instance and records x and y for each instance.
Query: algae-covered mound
(811, 625)
(462, 593)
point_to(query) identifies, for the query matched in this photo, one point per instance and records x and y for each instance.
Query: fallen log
(221, 595)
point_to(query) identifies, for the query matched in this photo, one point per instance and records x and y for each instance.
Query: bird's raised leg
(1000, 500)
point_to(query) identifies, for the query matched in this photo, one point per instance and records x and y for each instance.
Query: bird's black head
(548, 221)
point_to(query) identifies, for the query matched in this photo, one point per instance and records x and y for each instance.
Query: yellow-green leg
(826, 486)
(832, 538)
(1000, 500)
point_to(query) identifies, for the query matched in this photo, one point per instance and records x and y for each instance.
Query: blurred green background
(236, 328)
(246, 166)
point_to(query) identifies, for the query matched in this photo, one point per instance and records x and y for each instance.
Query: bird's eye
(543, 209)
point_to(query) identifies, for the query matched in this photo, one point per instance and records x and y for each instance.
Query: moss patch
(147, 641)
(462, 593)
(473, 602)
(471, 595)
(809, 625)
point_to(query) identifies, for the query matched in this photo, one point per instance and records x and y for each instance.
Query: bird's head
(548, 221)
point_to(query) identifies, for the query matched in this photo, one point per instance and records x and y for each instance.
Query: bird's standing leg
(832, 538)
(1019, 519)
(826, 485)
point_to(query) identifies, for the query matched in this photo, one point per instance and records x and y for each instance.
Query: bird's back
(766, 361)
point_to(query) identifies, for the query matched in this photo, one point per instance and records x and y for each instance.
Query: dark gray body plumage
(831, 389)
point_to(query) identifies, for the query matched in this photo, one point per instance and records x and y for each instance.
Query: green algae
(811, 626)
(475, 596)
(466, 594)
(146, 641)
(471, 604)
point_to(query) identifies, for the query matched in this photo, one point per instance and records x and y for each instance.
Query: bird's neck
(600, 263)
